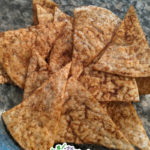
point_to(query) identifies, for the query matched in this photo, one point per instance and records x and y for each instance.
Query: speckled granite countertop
(16, 14)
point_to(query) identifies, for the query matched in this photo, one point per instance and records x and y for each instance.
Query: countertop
(16, 14)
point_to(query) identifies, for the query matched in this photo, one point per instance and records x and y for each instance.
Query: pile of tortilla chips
(80, 76)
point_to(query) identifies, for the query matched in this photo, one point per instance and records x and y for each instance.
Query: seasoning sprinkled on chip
(16, 48)
(61, 53)
(143, 85)
(46, 6)
(107, 87)
(34, 122)
(93, 30)
(127, 120)
(43, 16)
(84, 120)
(128, 54)
(37, 73)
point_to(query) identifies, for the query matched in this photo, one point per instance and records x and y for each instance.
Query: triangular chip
(16, 48)
(107, 87)
(34, 122)
(4, 78)
(143, 85)
(61, 53)
(84, 119)
(127, 120)
(38, 69)
(37, 73)
(128, 54)
(48, 5)
(93, 30)
(43, 16)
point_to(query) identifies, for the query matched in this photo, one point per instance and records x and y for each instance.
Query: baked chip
(37, 73)
(107, 87)
(48, 5)
(129, 53)
(65, 131)
(34, 122)
(123, 114)
(143, 85)
(4, 78)
(93, 30)
(16, 48)
(126, 118)
(83, 116)
(43, 16)
(61, 48)
(61, 54)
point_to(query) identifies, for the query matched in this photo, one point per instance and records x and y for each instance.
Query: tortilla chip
(128, 54)
(127, 120)
(34, 122)
(143, 85)
(93, 30)
(83, 116)
(43, 16)
(61, 53)
(3, 76)
(37, 73)
(48, 5)
(107, 87)
(16, 48)
(36, 77)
